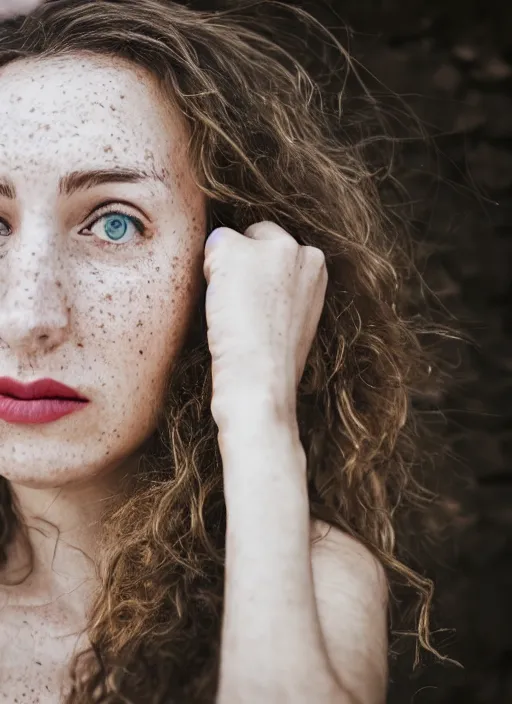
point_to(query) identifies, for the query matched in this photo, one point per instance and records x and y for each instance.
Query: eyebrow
(82, 180)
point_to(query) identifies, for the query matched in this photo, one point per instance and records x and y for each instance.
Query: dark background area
(450, 61)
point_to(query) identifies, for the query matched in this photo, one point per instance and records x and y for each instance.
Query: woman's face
(98, 301)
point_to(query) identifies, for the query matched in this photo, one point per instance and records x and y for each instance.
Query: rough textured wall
(452, 61)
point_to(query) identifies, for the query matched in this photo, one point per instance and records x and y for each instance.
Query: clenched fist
(264, 299)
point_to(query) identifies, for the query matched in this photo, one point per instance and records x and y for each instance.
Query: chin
(53, 471)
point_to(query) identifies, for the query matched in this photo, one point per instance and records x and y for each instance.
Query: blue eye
(116, 227)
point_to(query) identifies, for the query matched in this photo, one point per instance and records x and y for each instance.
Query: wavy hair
(264, 144)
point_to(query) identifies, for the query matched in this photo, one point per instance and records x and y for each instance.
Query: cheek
(139, 323)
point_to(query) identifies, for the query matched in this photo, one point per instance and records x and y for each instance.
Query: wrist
(264, 463)
(249, 405)
(256, 418)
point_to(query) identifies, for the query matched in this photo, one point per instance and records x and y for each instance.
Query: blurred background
(451, 63)
(442, 72)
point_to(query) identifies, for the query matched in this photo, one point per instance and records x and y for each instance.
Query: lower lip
(42, 410)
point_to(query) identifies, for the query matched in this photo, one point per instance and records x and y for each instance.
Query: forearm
(271, 629)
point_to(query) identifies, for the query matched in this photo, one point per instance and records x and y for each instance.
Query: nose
(34, 315)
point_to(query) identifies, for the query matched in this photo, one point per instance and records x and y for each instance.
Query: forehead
(84, 109)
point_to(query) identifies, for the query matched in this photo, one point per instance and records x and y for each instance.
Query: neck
(54, 552)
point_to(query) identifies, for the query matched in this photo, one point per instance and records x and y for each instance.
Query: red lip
(42, 401)
(43, 388)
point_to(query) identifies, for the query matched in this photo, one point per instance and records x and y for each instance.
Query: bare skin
(36, 645)
(71, 309)
(301, 622)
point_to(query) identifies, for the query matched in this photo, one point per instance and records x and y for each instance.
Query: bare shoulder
(351, 593)
(340, 553)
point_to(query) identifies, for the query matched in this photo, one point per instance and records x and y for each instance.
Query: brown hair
(263, 147)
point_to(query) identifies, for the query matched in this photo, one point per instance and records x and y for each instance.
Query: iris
(115, 226)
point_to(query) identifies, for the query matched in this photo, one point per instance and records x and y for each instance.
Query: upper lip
(42, 388)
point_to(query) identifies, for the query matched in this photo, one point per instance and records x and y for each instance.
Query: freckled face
(97, 285)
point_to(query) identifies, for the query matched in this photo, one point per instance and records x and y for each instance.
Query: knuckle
(288, 245)
(315, 256)
(263, 226)
(268, 230)
(257, 227)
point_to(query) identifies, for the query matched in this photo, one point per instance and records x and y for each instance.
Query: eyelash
(107, 209)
